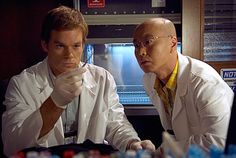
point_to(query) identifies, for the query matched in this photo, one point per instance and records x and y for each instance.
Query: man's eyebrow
(57, 42)
(78, 42)
(148, 36)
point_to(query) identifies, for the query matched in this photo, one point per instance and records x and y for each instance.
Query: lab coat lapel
(177, 107)
(149, 81)
(42, 80)
(182, 79)
(86, 106)
(161, 110)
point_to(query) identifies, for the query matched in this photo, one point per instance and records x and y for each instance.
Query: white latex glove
(145, 145)
(68, 85)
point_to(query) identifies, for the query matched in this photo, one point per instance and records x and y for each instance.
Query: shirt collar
(171, 83)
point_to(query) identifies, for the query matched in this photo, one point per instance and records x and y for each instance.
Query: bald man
(191, 98)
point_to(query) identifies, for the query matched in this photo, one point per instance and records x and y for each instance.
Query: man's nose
(142, 51)
(69, 51)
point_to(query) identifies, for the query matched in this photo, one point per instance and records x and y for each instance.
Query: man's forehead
(147, 29)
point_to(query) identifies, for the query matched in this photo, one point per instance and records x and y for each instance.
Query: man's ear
(44, 45)
(174, 41)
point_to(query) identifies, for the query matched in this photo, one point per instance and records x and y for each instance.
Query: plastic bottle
(32, 154)
(195, 151)
(130, 154)
(68, 154)
(215, 152)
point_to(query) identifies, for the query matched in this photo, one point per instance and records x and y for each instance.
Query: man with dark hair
(62, 100)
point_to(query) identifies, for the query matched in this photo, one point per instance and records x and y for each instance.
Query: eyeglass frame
(147, 43)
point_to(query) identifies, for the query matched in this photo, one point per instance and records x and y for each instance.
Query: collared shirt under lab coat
(101, 116)
(202, 104)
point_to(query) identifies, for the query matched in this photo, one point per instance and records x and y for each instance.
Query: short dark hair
(63, 18)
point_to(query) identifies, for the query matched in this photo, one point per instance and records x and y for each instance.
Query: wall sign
(229, 75)
(96, 3)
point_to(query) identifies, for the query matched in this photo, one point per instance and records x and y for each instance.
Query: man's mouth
(69, 64)
(144, 62)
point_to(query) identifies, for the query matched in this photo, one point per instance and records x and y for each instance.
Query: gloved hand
(145, 144)
(67, 86)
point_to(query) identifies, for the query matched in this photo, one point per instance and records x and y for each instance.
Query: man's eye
(148, 42)
(77, 45)
(136, 45)
(59, 46)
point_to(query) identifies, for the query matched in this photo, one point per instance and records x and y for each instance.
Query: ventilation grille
(220, 30)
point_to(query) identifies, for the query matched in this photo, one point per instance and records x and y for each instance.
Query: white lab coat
(202, 104)
(101, 116)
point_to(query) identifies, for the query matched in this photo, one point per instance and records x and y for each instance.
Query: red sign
(96, 3)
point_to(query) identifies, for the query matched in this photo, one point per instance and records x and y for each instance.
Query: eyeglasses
(147, 42)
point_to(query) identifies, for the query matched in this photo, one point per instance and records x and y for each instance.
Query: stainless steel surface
(127, 19)
(108, 40)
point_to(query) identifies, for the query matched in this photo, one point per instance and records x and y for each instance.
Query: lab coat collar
(43, 82)
(149, 81)
(183, 75)
(88, 80)
(87, 103)
(182, 79)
